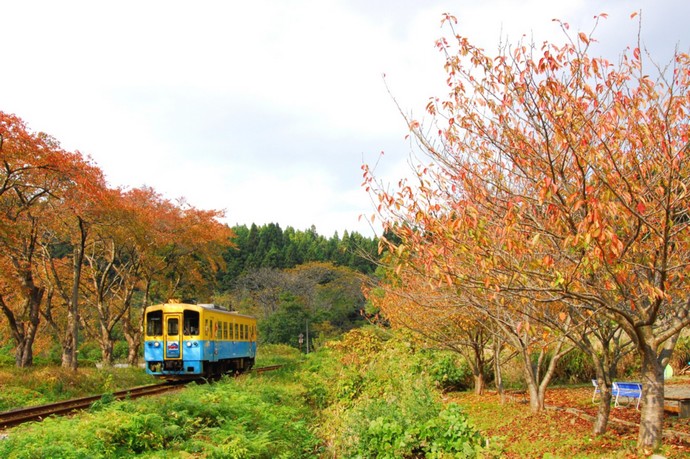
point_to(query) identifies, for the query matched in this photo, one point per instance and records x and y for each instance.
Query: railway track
(38, 413)
(265, 369)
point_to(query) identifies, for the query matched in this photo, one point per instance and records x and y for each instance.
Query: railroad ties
(38, 413)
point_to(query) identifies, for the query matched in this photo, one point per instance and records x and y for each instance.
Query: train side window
(191, 323)
(154, 323)
(207, 329)
(225, 330)
(219, 330)
(236, 336)
(242, 332)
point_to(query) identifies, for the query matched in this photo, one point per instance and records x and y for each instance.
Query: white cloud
(264, 108)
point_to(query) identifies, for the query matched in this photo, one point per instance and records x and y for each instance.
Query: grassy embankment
(362, 397)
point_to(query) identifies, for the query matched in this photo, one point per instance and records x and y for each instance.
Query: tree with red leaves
(574, 173)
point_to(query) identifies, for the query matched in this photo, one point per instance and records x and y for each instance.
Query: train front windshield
(154, 323)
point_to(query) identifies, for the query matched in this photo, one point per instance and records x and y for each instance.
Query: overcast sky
(265, 108)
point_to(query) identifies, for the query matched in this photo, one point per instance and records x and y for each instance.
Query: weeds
(366, 396)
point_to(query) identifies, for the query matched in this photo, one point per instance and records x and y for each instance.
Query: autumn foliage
(76, 254)
(557, 189)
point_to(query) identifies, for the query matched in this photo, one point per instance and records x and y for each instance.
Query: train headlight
(156, 344)
(189, 344)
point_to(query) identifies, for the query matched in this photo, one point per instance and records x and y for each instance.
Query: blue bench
(630, 390)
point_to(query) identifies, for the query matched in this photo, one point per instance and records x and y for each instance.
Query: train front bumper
(173, 367)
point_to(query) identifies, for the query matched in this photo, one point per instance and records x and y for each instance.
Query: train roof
(198, 307)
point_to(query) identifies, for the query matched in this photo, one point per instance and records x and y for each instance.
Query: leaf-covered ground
(564, 430)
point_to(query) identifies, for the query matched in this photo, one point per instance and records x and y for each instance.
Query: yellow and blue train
(192, 340)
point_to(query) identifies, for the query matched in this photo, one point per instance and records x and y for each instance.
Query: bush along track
(377, 399)
(367, 395)
(253, 416)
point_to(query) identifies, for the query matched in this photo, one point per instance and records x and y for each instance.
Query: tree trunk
(604, 385)
(73, 311)
(536, 402)
(652, 411)
(536, 399)
(107, 353)
(67, 354)
(106, 343)
(498, 374)
(478, 368)
(479, 383)
(603, 410)
(133, 354)
(536, 376)
(24, 333)
(133, 337)
(24, 353)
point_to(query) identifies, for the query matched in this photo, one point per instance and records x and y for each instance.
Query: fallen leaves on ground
(565, 428)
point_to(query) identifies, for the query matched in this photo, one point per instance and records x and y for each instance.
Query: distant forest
(297, 280)
(269, 246)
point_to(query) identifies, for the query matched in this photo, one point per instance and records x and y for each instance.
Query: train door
(173, 336)
(210, 350)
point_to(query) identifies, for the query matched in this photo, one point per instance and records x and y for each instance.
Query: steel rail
(265, 369)
(40, 412)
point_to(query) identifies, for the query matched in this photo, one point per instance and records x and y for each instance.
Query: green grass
(366, 396)
(40, 385)
(251, 416)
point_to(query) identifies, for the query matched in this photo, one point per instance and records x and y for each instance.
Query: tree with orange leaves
(407, 298)
(69, 241)
(577, 169)
(174, 250)
(75, 209)
(35, 173)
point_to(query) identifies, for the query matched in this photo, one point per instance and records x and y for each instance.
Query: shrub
(20, 397)
(90, 351)
(451, 434)
(574, 367)
(681, 354)
(7, 355)
(384, 403)
(246, 417)
(449, 371)
(276, 354)
(120, 350)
